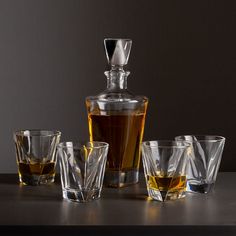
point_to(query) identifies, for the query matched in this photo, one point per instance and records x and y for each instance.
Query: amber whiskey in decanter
(117, 117)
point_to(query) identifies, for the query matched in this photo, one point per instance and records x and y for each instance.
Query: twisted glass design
(165, 169)
(36, 155)
(204, 161)
(82, 170)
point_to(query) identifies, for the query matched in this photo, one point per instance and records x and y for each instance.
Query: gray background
(183, 58)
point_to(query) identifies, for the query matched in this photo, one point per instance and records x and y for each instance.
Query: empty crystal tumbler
(165, 168)
(82, 169)
(204, 162)
(36, 155)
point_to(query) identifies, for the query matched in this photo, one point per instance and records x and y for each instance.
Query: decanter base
(118, 179)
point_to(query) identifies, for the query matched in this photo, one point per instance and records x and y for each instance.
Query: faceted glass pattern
(165, 169)
(82, 169)
(204, 161)
(36, 155)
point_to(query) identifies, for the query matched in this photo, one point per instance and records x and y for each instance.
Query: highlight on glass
(82, 169)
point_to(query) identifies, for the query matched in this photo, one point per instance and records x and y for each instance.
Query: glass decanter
(117, 117)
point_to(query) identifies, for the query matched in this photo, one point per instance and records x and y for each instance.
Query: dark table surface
(26, 209)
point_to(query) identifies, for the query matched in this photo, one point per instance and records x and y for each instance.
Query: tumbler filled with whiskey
(36, 155)
(117, 116)
(165, 168)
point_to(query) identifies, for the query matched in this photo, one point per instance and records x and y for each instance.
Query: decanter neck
(117, 78)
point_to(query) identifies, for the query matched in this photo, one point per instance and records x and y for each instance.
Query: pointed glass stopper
(117, 51)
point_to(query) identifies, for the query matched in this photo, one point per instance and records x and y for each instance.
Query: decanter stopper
(117, 51)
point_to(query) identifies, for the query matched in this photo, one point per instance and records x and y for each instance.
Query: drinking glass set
(189, 163)
(116, 120)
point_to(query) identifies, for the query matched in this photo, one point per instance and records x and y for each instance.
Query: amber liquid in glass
(29, 170)
(124, 134)
(166, 183)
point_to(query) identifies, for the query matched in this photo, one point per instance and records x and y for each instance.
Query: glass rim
(70, 144)
(167, 144)
(37, 132)
(202, 138)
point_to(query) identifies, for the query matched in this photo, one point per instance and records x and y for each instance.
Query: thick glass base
(165, 195)
(118, 179)
(199, 188)
(36, 179)
(78, 195)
